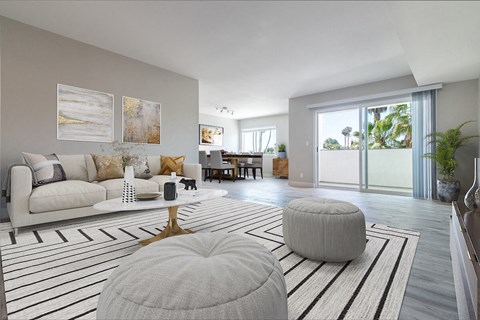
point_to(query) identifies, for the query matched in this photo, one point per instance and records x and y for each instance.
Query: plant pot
(282, 154)
(448, 191)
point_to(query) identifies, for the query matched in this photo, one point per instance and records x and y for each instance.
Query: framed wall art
(84, 115)
(140, 121)
(211, 135)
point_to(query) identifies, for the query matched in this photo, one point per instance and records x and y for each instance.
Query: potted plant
(447, 144)
(282, 153)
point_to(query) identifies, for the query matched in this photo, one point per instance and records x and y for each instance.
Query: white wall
(278, 121)
(231, 136)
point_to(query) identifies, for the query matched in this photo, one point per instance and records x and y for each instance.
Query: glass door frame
(363, 144)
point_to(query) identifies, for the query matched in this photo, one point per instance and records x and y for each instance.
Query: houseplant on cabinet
(282, 153)
(447, 144)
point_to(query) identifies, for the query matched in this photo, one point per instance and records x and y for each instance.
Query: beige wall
(230, 129)
(33, 62)
(302, 124)
(456, 103)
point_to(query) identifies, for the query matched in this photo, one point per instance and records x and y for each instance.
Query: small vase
(472, 198)
(129, 195)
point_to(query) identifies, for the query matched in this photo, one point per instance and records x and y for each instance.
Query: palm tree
(377, 112)
(381, 134)
(346, 133)
(402, 124)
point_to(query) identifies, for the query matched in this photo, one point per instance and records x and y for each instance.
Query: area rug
(57, 271)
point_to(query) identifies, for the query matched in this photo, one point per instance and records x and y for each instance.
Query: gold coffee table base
(172, 228)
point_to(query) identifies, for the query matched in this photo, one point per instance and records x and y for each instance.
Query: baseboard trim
(301, 184)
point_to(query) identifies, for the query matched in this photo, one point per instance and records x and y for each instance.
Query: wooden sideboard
(280, 167)
(465, 250)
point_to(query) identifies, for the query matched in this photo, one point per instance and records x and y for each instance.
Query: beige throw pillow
(108, 167)
(172, 164)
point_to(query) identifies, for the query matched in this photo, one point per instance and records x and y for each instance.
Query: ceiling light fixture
(224, 110)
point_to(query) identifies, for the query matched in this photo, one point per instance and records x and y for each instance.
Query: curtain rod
(374, 96)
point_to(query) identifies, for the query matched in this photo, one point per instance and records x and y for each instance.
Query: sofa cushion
(65, 195)
(172, 164)
(91, 169)
(141, 168)
(154, 164)
(47, 168)
(74, 166)
(108, 167)
(115, 187)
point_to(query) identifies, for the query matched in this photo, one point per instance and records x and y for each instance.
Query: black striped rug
(57, 272)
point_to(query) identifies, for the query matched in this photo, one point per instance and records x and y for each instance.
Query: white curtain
(423, 123)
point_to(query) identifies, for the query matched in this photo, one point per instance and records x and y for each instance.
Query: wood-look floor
(430, 292)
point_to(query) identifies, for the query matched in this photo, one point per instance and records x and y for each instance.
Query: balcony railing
(387, 168)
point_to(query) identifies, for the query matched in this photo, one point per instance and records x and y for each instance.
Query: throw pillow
(108, 167)
(141, 169)
(47, 168)
(172, 164)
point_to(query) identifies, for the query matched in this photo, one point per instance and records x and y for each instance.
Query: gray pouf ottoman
(324, 229)
(197, 276)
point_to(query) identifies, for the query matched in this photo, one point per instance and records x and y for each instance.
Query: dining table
(234, 158)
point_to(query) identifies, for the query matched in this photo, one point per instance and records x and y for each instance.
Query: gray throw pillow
(47, 168)
(140, 165)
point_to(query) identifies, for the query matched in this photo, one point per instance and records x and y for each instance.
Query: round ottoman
(197, 276)
(324, 229)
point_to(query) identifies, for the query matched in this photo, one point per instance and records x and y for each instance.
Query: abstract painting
(84, 115)
(141, 121)
(211, 135)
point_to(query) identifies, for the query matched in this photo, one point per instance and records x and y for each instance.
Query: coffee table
(172, 229)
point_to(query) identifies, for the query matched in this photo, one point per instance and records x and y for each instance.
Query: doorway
(368, 148)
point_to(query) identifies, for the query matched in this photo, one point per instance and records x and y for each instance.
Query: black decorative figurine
(190, 183)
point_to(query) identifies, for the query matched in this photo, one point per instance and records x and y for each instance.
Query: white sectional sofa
(75, 197)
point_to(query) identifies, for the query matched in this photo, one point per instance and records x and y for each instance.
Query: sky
(331, 124)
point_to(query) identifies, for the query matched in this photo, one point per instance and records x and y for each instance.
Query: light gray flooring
(430, 292)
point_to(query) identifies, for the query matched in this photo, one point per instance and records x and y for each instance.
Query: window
(259, 140)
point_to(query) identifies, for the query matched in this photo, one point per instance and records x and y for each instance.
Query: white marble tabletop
(184, 197)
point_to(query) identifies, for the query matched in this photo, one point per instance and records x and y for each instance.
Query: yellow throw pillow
(108, 167)
(172, 164)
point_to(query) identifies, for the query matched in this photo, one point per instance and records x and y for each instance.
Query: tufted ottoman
(324, 229)
(197, 276)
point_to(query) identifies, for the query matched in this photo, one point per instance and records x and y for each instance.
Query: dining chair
(242, 161)
(256, 163)
(217, 165)
(203, 160)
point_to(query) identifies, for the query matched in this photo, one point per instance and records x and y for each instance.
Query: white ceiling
(253, 56)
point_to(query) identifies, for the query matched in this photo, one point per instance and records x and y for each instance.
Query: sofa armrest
(20, 191)
(193, 171)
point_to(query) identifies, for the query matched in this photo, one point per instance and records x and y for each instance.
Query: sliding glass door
(338, 142)
(367, 147)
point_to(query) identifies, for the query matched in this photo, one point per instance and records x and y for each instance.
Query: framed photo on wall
(211, 135)
(84, 115)
(140, 121)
